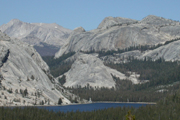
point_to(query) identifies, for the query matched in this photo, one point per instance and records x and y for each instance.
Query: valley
(123, 60)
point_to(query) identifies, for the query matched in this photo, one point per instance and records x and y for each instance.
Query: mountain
(120, 33)
(118, 40)
(37, 34)
(25, 78)
(87, 69)
(169, 52)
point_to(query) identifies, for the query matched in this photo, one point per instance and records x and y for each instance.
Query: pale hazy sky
(86, 13)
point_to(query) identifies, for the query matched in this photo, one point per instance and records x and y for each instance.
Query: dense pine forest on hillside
(164, 78)
(166, 109)
(58, 66)
(157, 72)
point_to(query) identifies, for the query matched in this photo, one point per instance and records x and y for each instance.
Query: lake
(90, 107)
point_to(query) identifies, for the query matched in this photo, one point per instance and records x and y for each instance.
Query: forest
(165, 109)
(164, 78)
(58, 66)
(163, 87)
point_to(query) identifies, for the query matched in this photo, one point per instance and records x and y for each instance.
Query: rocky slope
(169, 52)
(120, 33)
(25, 77)
(36, 34)
(89, 70)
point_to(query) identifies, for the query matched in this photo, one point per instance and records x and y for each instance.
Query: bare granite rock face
(121, 33)
(34, 33)
(79, 29)
(47, 38)
(169, 52)
(109, 22)
(25, 77)
(121, 58)
(158, 21)
(89, 70)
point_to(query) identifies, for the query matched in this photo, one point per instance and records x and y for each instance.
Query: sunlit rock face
(21, 68)
(42, 35)
(34, 33)
(121, 33)
(169, 52)
(90, 70)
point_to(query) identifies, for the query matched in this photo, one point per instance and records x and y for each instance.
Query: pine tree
(129, 116)
(59, 101)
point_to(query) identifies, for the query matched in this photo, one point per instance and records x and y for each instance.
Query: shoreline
(125, 102)
(148, 103)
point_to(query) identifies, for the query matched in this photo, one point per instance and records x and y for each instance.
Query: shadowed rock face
(114, 33)
(21, 67)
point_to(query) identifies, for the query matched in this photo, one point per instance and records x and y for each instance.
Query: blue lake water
(90, 107)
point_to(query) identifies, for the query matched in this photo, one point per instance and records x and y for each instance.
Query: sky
(85, 13)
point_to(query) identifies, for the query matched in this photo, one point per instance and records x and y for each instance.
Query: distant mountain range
(120, 33)
(160, 37)
(47, 38)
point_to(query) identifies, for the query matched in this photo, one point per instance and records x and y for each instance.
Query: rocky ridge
(113, 34)
(89, 70)
(37, 34)
(168, 52)
(25, 78)
(121, 33)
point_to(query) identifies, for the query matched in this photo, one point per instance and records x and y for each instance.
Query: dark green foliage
(10, 90)
(58, 66)
(5, 57)
(161, 75)
(166, 109)
(42, 102)
(32, 77)
(60, 69)
(62, 80)
(141, 48)
(170, 41)
(59, 101)
(129, 116)
(158, 72)
(121, 94)
(54, 62)
(26, 92)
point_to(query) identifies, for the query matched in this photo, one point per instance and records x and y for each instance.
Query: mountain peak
(79, 29)
(155, 20)
(115, 21)
(34, 33)
(15, 21)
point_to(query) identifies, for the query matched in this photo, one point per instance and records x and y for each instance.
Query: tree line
(165, 109)
(58, 66)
